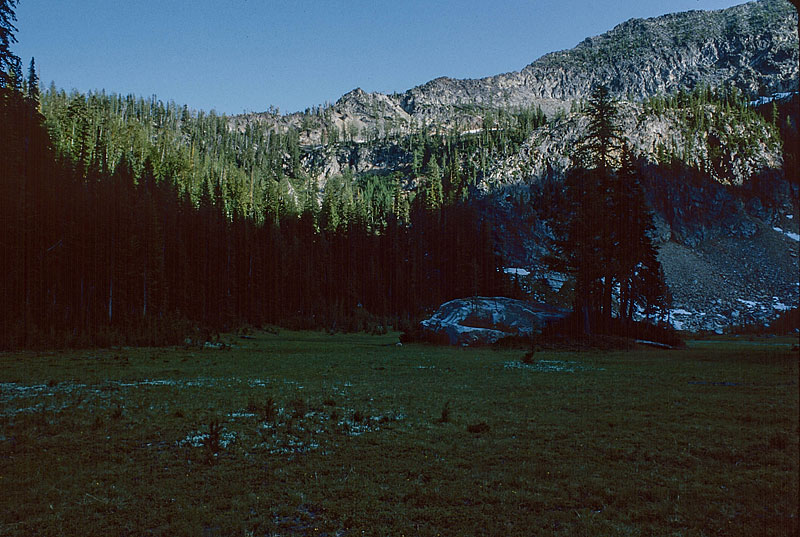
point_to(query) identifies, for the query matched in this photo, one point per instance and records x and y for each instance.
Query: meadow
(305, 433)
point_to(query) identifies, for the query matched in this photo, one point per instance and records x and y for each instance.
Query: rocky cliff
(752, 46)
(728, 146)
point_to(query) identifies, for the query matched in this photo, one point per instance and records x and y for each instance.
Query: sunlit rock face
(486, 320)
(753, 46)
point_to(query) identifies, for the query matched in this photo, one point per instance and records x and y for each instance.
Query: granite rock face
(753, 46)
(486, 320)
(727, 148)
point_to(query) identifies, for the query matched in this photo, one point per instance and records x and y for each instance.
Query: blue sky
(245, 55)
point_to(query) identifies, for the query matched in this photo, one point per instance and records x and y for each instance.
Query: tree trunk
(144, 294)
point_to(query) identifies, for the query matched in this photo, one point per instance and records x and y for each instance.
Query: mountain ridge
(698, 38)
(753, 46)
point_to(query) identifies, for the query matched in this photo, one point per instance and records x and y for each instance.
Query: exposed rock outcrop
(482, 320)
(752, 46)
(728, 148)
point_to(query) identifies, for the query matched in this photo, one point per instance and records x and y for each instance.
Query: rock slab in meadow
(486, 320)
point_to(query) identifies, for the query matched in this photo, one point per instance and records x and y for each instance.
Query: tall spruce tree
(637, 269)
(33, 83)
(593, 226)
(608, 243)
(7, 38)
(597, 148)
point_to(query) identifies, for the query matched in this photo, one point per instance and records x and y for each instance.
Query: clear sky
(245, 55)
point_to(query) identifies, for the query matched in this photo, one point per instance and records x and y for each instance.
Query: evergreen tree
(33, 83)
(607, 238)
(433, 190)
(582, 250)
(596, 148)
(7, 38)
(638, 271)
(15, 78)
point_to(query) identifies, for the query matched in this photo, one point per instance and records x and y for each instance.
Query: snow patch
(778, 305)
(790, 234)
(774, 97)
(517, 271)
(548, 366)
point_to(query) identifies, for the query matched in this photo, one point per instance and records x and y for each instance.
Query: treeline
(707, 116)
(106, 241)
(784, 115)
(258, 171)
(265, 172)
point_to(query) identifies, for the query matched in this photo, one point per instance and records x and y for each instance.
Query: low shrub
(445, 417)
(213, 442)
(478, 428)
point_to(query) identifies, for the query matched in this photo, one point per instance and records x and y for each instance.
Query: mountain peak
(752, 46)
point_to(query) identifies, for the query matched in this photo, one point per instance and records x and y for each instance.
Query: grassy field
(311, 434)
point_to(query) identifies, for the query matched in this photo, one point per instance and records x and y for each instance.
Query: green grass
(311, 434)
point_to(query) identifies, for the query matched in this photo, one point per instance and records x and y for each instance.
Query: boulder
(486, 320)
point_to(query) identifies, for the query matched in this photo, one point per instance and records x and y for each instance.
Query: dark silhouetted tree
(7, 38)
(33, 83)
(608, 237)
